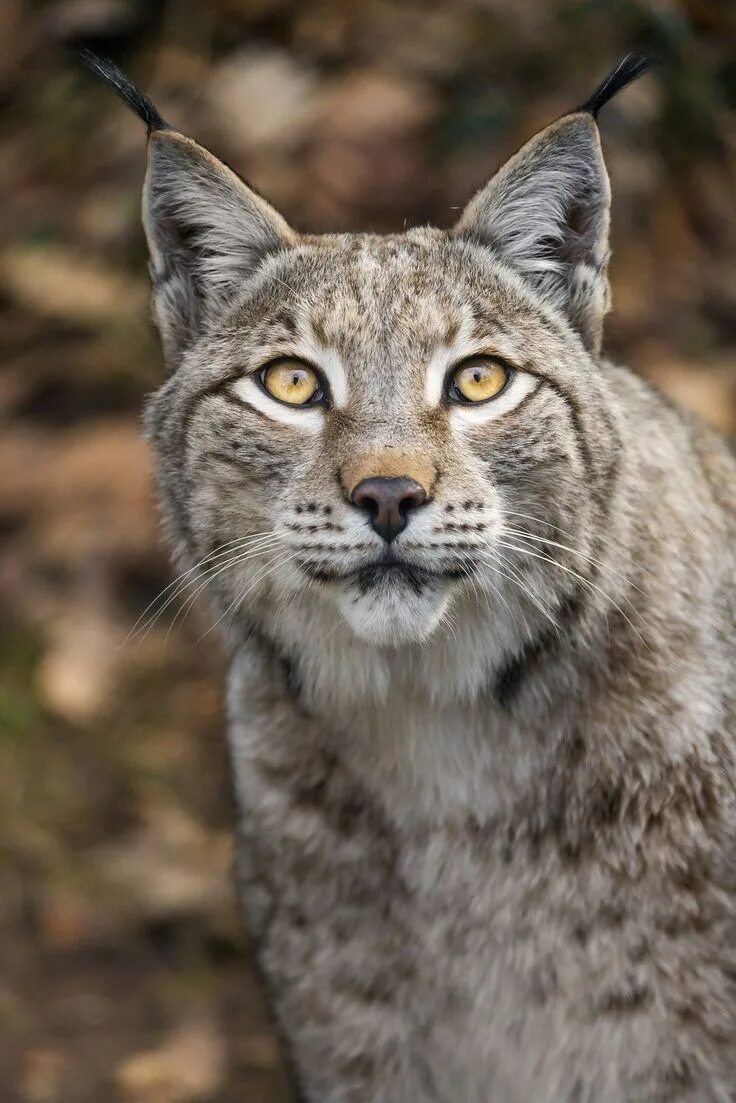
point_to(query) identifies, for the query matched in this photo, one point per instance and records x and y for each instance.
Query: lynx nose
(387, 501)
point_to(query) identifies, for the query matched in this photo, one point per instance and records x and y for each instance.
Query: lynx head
(382, 427)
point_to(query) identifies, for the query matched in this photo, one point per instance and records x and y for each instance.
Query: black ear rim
(109, 73)
(629, 69)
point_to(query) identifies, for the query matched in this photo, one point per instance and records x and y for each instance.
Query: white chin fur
(391, 614)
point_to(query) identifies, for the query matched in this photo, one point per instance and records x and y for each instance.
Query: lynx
(478, 586)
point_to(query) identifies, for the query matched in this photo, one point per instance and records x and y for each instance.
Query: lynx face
(387, 490)
(388, 430)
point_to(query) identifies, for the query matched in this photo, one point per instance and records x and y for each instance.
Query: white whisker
(235, 561)
(574, 551)
(581, 578)
(180, 581)
(522, 586)
(573, 536)
(201, 581)
(485, 597)
(269, 569)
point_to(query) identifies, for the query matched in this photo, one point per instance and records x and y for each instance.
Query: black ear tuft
(108, 72)
(628, 69)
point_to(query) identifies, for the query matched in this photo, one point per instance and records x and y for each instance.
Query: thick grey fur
(487, 803)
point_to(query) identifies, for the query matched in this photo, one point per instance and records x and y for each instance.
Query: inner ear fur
(207, 233)
(546, 212)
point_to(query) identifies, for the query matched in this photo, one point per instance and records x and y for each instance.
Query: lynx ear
(546, 211)
(207, 230)
(207, 233)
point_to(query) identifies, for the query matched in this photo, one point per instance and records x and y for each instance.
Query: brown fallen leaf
(168, 866)
(41, 1077)
(279, 94)
(77, 674)
(57, 282)
(188, 1065)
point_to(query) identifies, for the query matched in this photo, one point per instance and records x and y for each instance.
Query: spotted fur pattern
(486, 776)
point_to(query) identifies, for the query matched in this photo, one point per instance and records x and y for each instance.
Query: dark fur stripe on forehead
(114, 78)
(629, 69)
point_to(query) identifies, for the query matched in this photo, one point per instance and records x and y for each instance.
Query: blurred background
(125, 974)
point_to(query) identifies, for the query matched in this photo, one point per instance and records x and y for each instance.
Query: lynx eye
(478, 379)
(292, 382)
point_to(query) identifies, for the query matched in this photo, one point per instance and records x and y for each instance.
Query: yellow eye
(478, 379)
(292, 382)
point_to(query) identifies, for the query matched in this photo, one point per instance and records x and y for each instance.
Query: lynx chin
(478, 584)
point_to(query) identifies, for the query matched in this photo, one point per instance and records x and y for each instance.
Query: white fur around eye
(444, 356)
(434, 380)
(310, 418)
(329, 363)
(521, 384)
